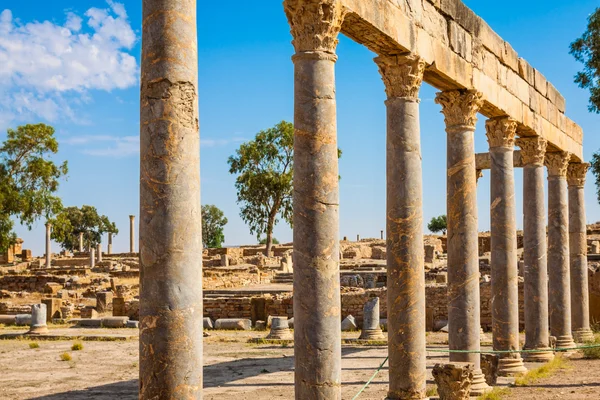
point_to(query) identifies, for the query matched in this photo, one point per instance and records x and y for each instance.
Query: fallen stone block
(239, 324)
(114, 322)
(489, 367)
(8, 319)
(88, 322)
(291, 323)
(453, 380)
(207, 323)
(133, 324)
(23, 319)
(349, 324)
(260, 325)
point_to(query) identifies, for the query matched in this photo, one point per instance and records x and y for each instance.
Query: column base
(583, 335)
(511, 366)
(479, 386)
(280, 334)
(543, 356)
(38, 330)
(565, 342)
(372, 334)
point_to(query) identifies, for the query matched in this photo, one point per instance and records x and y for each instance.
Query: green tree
(264, 241)
(586, 50)
(438, 224)
(213, 222)
(72, 221)
(28, 178)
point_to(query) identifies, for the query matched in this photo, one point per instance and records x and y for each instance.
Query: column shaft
(48, 245)
(109, 246)
(132, 234)
(170, 223)
(80, 242)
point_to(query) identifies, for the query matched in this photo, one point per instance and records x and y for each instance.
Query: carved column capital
(576, 173)
(460, 107)
(501, 132)
(315, 24)
(557, 163)
(402, 75)
(533, 150)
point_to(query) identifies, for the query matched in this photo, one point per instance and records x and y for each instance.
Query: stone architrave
(371, 328)
(501, 133)
(460, 108)
(170, 237)
(38, 320)
(315, 25)
(535, 271)
(580, 297)
(48, 245)
(132, 231)
(559, 283)
(402, 76)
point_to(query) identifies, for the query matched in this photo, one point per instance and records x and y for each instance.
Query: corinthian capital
(460, 107)
(315, 24)
(576, 174)
(557, 163)
(533, 150)
(402, 75)
(501, 132)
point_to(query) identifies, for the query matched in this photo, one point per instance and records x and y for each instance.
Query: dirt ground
(233, 368)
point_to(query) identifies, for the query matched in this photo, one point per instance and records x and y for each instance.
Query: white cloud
(220, 142)
(47, 68)
(106, 145)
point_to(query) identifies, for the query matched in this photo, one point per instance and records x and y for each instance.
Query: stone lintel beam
(483, 161)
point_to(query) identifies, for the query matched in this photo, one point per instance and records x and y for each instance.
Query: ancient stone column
(505, 272)
(92, 257)
(460, 108)
(533, 150)
(580, 298)
(132, 232)
(559, 285)
(317, 310)
(48, 245)
(109, 246)
(170, 241)
(81, 242)
(371, 329)
(99, 253)
(403, 76)
(38, 320)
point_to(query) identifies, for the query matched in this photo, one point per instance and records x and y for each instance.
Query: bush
(65, 357)
(77, 346)
(34, 345)
(594, 353)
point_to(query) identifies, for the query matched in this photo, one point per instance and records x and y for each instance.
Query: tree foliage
(595, 167)
(264, 183)
(72, 221)
(586, 50)
(28, 178)
(213, 223)
(438, 224)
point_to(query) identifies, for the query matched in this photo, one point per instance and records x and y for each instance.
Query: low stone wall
(29, 283)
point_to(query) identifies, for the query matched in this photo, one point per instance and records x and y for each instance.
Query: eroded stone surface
(454, 380)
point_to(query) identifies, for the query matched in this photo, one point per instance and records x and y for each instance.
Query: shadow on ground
(126, 390)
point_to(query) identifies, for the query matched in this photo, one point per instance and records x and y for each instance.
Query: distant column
(81, 242)
(92, 257)
(580, 297)
(109, 246)
(558, 250)
(533, 151)
(99, 255)
(132, 233)
(48, 245)
(505, 272)
(460, 107)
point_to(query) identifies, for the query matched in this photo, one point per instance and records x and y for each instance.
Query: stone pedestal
(559, 284)
(317, 309)
(119, 307)
(580, 297)
(371, 330)
(454, 380)
(535, 270)
(48, 245)
(38, 320)
(460, 109)
(170, 237)
(403, 76)
(505, 290)
(103, 300)
(280, 329)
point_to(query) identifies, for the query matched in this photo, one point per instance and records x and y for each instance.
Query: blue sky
(74, 65)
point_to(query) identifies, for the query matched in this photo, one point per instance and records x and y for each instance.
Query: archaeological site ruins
(312, 292)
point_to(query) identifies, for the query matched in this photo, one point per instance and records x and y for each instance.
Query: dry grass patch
(546, 370)
(496, 394)
(34, 345)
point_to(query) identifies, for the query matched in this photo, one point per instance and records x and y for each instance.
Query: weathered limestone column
(170, 242)
(99, 251)
(371, 328)
(559, 284)
(48, 245)
(460, 108)
(132, 233)
(315, 25)
(92, 257)
(580, 297)
(38, 320)
(81, 242)
(505, 271)
(109, 246)
(533, 151)
(403, 76)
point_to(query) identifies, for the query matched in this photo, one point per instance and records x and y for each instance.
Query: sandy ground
(233, 368)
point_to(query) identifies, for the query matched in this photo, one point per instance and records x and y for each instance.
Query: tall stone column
(99, 253)
(505, 271)
(559, 284)
(81, 242)
(109, 246)
(132, 233)
(533, 150)
(48, 245)
(460, 108)
(403, 76)
(170, 242)
(315, 25)
(580, 297)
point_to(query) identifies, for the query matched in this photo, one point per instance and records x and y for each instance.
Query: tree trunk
(270, 224)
